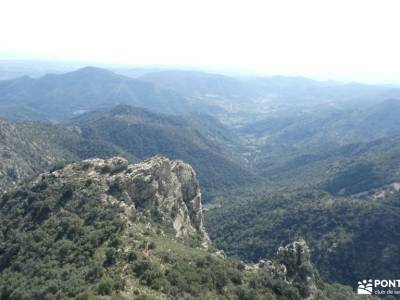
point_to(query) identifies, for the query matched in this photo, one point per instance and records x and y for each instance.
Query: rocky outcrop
(159, 187)
(292, 264)
(296, 258)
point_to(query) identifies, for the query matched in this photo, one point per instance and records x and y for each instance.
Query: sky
(341, 40)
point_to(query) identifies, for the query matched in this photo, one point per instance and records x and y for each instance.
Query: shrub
(131, 256)
(110, 257)
(105, 286)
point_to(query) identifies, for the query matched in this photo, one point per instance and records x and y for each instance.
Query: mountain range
(61, 96)
(279, 159)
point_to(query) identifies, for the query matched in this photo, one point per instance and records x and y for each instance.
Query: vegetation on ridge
(61, 239)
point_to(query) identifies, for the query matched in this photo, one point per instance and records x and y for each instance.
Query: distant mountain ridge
(263, 94)
(60, 96)
(196, 84)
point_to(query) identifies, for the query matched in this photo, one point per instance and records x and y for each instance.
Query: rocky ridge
(168, 189)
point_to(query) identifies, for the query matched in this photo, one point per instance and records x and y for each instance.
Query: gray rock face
(296, 258)
(167, 188)
(292, 264)
(294, 255)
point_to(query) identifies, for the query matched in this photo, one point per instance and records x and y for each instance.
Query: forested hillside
(134, 133)
(349, 237)
(213, 150)
(104, 229)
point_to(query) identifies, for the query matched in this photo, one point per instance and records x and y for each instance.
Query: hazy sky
(347, 39)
